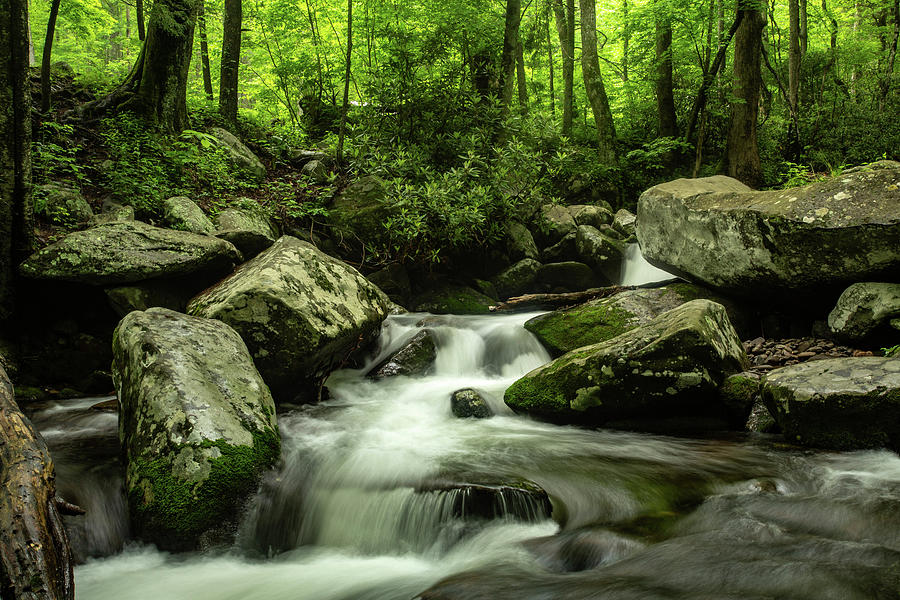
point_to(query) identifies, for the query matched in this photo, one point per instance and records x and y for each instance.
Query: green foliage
(54, 154)
(893, 351)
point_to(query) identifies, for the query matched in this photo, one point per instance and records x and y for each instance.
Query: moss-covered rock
(162, 293)
(241, 156)
(562, 251)
(568, 276)
(183, 214)
(863, 309)
(453, 300)
(778, 243)
(299, 311)
(601, 252)
(415, 358)
(516, 279)
(197, 425)
(624, 222)
(113, 212)
(738, 394)
(519, 242)
(842, 403)
(62, 205)
(555, 222)
(672, 366)
(118, 253)
(247, 226)
(360, 211)
(590, 214)
(469, 403)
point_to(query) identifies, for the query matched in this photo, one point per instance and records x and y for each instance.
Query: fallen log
(553, 301)
(35, 560)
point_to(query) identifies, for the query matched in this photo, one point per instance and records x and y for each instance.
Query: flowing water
(637, 271)
(381, 495)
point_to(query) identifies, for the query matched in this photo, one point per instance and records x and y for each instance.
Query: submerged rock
(299, 311)
(863, 309)
(670, 367)
(843, 404)
(415, 358)
(490, 499)
(126, 252)
(183, 214)
(718, 231)
(197, 425)
(469, 403)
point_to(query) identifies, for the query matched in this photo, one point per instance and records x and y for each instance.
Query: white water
(637, 271)
(349, 515)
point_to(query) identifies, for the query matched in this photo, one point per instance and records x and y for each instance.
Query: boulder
(197, 425)
(562, 251)
(739, 393)
(624, 222)
(596, 321)
(62, 205)
(469, 403)
(589, 214)
(163, 293)
(393, 280)
(125, 252)
(671, 367)
(519, 242)
(299, 311)
(113, 212)
(841, 403)
(316, 170)
(183, 214)
(863, 309)
(601, 252)
(517, 279)
(453, 300)
(783, 243)
(555, 222)
(569, 276)
(241, 156)
(361, 209)
(413, 359)
(247, 226)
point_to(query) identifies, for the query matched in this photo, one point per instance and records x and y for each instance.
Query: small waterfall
(637, 271)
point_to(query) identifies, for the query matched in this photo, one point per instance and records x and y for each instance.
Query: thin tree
(520, 77)
(231, 61)
(593, 84)
(550, 62)
(204, 52)
(794, 57)
(565, 28)
(348, 63)
(665, 96)
(139, 16)
(46, 58)
(508, 58)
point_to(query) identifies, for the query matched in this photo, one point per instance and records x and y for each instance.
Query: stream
(370, 501)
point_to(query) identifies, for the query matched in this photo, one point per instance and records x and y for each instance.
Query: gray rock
(863, 308)
(469, 403)
(601, 252)
(841, 403)
(562, 251)
(299, 311)
(414, 359)
(589, 214)
(624, 221)
(760, 419)
(569, 276)
(197, 425)
(519, 242)
(183, 214)
(670, 367)
(118, 253)
(247, 226)
(62, 205)
(453, 300)
(162, 293)
(113, 212)
(301, 157)
(316, 170)
(831, 233)
(516, 279)
(555, 222)
(241, 156)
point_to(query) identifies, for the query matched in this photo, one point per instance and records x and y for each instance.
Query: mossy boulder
(62, 205)
(864, 309)
(163, 293)
(299, 311)
(360, 211)
(247, 226)
(519, 242)
(182, 213)
(126, 252)
(469, 404)
(241, 156)
(516, 279)
(590, 214)
(783, 243)
(567, 276)
(555, 222)
(739, 392)
(197, 425)
(451, 299)
(562, 251)
(601, 252)
(624, 222)
(669, 367)
(414, 358)
(841, 403)
(113, 212)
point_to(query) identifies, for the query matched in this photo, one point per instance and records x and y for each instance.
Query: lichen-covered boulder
(672, 366)
(182, 213)
(360, 211)
(624, 222)
(453, 300)
(802, 240)
(516, 279)
(863, 309)
(125, 252)
(62, 205)
(555, 222)
(415, 358)
(248, 227)
(241, 156)
(590, 214)
(841, 403)
(299, 310)
(469, 404)
(197, 425)
(601, 252)
(519, 242)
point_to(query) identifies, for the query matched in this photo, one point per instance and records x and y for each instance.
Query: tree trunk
(565, 28)
(550, 63)
(665, 96)
(794, 55)
(626, 40)
(16, 211)
(204, 52)
(593, 84)
(231, 62)
(46, 58)
(804, 28)
(508, 58)
(348, 64)
(520, 77)
(139, 17)
(742, 156)
(35, 560)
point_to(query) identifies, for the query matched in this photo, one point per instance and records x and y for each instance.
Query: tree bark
(626, 40)
(665, 96)
(35, 560)
(550, 64)
(16, 211)
(508, 58)
(565, 28)
(553, 301)
(46, 58)
(804, 27)
(742, 156)
(794, 56)
(593, 84)
(520, 77)
(231, 61)
(346, 105)
(204, 52)
(139, 17)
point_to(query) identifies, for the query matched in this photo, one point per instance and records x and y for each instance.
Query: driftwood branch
(553, 301)
(35, 560)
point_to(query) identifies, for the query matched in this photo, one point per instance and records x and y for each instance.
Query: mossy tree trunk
(593, 84)
(231, 62)
(565, 28)
(16, 211)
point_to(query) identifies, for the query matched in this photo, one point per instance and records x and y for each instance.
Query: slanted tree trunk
(346, 105)
(742, 156)
(593, 84)
(665, 96)
(35, 560)
(520, 77)
(47, 56)
(16, 212)
(565, 28)
(156, 87)
(231, 61)
(508, 58)
(204, 52)
(139, 17)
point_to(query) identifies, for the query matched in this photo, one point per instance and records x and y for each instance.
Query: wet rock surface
(469, 403)
(415, 358)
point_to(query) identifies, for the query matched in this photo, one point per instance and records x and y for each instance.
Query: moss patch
(564, 331)
(526, 395)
